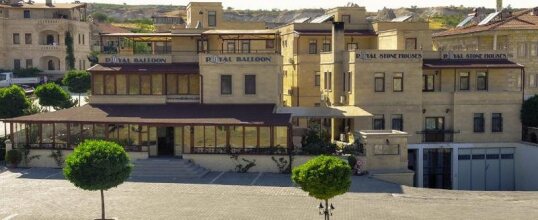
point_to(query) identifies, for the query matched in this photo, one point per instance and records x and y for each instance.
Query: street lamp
(326, 210)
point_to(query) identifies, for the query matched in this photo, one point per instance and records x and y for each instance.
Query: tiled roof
(521, 20)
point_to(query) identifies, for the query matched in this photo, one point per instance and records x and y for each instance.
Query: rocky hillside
(446, 16)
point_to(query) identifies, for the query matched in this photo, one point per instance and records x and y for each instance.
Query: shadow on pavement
(360, 184)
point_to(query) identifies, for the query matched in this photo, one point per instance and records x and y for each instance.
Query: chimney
(48, 3)
(499, 5)
(338, 39)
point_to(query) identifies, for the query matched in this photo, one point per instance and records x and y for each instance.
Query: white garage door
(486, 169)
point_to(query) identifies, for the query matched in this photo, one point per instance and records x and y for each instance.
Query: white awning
(325, 112)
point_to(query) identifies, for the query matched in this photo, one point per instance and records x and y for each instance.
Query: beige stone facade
(33, 35)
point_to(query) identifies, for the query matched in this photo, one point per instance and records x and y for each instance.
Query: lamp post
(326, 210)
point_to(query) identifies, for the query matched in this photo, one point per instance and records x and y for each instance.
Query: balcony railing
(432, 136)
(231, 150)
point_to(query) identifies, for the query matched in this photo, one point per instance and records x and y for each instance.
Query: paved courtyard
(44, 194)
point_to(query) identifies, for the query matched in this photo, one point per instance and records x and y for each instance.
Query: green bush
(13, 157)
(97, 165)
(53, 95)
(323, 177)
(13, 102)
(529, 112)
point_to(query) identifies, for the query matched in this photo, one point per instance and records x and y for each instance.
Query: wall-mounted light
(447, 110)
(387, 141)
(423, 111)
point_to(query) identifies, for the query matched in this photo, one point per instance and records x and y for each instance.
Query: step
(167, 167)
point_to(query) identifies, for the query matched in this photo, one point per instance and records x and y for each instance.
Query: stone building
(33, 35)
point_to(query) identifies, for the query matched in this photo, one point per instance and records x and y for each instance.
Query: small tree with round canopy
(323, 177)
(13, 102)
(52, 95)
(77, 81)
(98, 165)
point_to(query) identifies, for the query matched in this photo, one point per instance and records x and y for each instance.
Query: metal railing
(432, 136)
(231, 150)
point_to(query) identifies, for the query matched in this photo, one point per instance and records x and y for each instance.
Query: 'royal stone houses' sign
(388, 55)
(472, 55)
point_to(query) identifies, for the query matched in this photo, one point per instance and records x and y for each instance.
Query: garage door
(486, 169)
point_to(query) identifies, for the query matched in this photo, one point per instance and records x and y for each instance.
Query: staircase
(167, 167)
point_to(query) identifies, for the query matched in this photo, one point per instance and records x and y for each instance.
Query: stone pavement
(44, 194)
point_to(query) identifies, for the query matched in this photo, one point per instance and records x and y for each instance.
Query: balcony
(437, 136)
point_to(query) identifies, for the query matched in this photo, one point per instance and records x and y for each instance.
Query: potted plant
(13, 158)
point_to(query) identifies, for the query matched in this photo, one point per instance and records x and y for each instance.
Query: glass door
(435, 127)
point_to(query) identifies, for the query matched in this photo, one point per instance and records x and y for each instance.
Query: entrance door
(434, 129)
(166, 141)
(412, 163)
(437, 168)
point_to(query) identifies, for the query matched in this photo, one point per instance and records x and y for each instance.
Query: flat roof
(329, 32)
(25, 5)
(325, 112)
(263, 31)
(179, 68)
(192, 114)
(151, 34)
(470, 64)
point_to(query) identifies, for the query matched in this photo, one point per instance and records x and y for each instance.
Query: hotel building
(425, 118)
(32, 35)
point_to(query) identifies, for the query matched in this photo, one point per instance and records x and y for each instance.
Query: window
(134, 84)
(269, 44)
(397, 82)
(50, 40)
(326, 46)
(28, 38)
(410, 43)
(16, 38)
(230, 47)
(522, 50)
(97, 80)
(352, 46)
(145, 84)
(328, 80)
(533, 50)
(464, 81)
(378, 122)
(347, 81)
(316, 78)
(481, 81)
(202, 46)
(428, 83)
(397, 122)
(83, 39)
(313, 47)
(245, 46)
(250, 84)
(29, 63)
(3, 77)
(110, 84)
(346, 19)
(17, 64)
(78, 38)
(379, 82)
(478, 122)
(212, 18)
(26, 14)
(533, 78)
(496, 122)
(156, 84)
(226, 84)
(121, 84)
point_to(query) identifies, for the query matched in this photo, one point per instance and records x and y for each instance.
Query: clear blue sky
(371, 5)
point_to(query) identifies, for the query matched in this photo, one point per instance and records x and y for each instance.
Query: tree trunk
(102, 205)
(326, 209)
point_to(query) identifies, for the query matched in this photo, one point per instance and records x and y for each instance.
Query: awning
(325, 112)
(328, 32)
(168, 114)
(179, 68)
(470, 64)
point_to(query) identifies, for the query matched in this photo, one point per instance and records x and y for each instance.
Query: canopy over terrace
(139, 43)
(325, 112)
(198, 128)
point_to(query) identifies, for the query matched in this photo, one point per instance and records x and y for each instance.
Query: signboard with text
(237, 59)
(135, 59)
(388, 55)
(474, 55)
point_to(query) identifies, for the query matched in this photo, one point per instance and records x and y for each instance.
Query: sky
(371, 5)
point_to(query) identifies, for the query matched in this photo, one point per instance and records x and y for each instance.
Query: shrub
(323, 177)
(13, 102)
(97, 165)
(13, 157)
(50, 94)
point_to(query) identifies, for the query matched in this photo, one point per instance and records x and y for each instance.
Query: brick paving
(44, 194)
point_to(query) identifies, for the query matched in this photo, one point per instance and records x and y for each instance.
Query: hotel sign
(214, 59)
(388, 55)
(151, 59)
(493, 55)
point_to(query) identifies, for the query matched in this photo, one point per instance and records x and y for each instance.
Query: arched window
(51, 65)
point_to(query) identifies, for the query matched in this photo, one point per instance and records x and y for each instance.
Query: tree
(77, 81)
(529, 112)
(98, 165)
(13, 102)
(52, 95)
(323, 177)
(70, 57)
